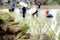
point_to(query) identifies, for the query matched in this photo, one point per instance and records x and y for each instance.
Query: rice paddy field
(39, 28)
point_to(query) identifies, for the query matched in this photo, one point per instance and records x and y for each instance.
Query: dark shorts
(17, 2)
(8, 1)
(24, 13)
(13, 9)
(36, 11)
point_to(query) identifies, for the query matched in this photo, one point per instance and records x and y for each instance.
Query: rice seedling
(58, 36)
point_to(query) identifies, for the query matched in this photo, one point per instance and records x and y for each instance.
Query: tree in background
(58, 2)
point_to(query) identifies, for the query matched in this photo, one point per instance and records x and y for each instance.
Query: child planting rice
(48, 14)
(13, 6)
(35, 7)
(24, 11)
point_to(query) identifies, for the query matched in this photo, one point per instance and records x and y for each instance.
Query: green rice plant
(6, 6)
(59, 36)
(52, 34)
(7, 16)
(39, 26)
(58, 18)
(25, 28)
(56, 28)
(0, 17)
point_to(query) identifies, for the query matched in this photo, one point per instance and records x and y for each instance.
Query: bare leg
(33, 14)
(36, 14)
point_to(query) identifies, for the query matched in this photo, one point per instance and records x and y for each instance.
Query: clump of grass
(52, 34)
(6, 16)
(58, 36)
(23, 27)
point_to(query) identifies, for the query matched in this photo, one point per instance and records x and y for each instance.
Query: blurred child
(36, 12)
(48, 14)
(24, 11)
(13, 6)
